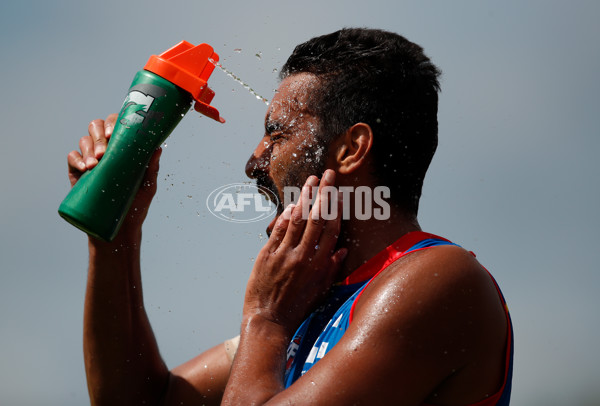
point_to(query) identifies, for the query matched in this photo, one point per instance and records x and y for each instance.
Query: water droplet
(245, 85)
(258, 55)
(237, 50)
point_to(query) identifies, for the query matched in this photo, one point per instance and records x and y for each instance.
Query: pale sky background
(515, 178)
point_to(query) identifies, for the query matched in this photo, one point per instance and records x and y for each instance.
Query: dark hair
(381, 79)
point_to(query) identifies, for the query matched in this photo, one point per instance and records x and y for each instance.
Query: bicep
(202, 380)
(373, 363)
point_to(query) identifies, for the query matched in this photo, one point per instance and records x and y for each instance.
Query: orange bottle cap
(189, 67)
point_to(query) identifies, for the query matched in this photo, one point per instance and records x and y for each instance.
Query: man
(338, 310)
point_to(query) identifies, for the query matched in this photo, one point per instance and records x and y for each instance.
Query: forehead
(293, 94)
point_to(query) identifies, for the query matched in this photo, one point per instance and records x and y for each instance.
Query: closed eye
(274, 130)
(276, 136)
(272, 127)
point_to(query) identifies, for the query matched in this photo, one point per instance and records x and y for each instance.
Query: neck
(365, 238)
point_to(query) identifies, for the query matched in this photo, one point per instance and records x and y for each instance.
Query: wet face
(289, 152)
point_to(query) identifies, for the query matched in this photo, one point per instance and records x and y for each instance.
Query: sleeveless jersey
(326, 326)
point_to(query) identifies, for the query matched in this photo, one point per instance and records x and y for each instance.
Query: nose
(258, 163)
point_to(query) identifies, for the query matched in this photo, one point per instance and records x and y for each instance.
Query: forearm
(291, 274)
(259, 365)
(122, 361)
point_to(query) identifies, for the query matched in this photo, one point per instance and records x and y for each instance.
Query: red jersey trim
(385, 257)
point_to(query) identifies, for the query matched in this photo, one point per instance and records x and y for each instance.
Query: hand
(299, 262)
(91, 149)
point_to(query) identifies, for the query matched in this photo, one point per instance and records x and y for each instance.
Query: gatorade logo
(135, 107)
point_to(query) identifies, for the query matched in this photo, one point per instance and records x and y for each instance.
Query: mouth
(268, 189)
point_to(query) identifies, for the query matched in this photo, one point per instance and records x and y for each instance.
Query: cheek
(308, 154)
(294, 160)
(277, 165)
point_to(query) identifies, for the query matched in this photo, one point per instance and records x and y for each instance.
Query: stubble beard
(312, 162)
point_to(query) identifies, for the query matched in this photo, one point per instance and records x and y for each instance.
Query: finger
(299, 214)
(321, 210)
(109, 125)
(86, 146)
(280, 229)
(75, 162)
(76, 166)
(330, 233)
(97, 133)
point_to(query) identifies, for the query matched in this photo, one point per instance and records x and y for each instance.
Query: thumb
(148, 187)
(151, 175)
(337, 259)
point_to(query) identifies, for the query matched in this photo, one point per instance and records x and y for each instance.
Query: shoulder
(445, 271)
(440, 297)
(432, 319)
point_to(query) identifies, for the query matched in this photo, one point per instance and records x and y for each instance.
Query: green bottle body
(101, 198)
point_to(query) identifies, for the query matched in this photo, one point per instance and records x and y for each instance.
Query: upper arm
(202, 380)
(417, 324)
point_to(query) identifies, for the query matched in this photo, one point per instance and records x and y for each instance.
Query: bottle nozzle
(189, 67)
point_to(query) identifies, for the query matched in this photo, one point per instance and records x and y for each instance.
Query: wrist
(122, 252)
(124, 241)
(257, 324)
(261, 355)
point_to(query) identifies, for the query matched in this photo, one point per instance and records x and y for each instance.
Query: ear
(352, 149)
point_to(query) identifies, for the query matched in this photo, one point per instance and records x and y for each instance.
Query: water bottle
(157, 100)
